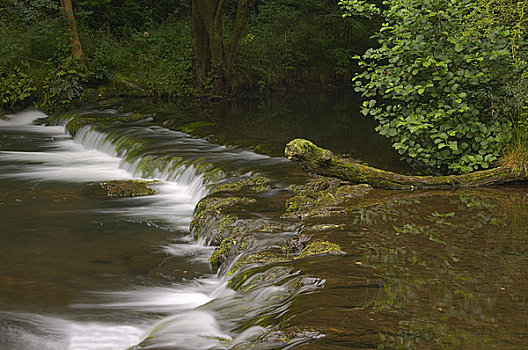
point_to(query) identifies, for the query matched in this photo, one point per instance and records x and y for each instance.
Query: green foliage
(123, 17)
(294, 41)
(66, 84)
(36, 67)
(434, 81)
(358, 8)
(15, 87)
(156, 61)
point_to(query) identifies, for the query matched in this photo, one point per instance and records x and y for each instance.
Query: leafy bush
(15, 87)
(156, 61)
(66, 84)
(434, 81)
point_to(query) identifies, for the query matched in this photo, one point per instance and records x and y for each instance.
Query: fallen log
(323, 162)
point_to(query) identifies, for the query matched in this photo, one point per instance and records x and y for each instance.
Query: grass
(515, 154)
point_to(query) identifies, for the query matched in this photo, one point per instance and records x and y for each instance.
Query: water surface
(437, 269)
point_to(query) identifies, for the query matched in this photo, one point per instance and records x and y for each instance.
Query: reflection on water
(442, 270)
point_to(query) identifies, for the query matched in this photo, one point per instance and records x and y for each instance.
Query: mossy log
(323, 162)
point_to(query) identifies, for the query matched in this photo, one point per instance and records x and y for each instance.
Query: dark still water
(424, 270)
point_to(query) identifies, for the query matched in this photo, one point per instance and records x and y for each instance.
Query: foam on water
(45, 332)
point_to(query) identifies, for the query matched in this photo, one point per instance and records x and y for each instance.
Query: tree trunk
(213, 56)
(202, 56)
(323, 162)
(71, 26)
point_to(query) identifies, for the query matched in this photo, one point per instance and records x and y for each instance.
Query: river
(422, 270)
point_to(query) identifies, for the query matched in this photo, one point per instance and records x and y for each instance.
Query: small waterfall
(193, 313)
(90, 157)
(160, 169)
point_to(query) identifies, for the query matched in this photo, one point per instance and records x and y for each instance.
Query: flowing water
(80, 272)
(422, 270)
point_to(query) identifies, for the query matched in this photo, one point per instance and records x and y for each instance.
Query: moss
(238, 235)
(255, 184)
(218, 204)
(321, 248)
(290, 250)
(212, 227)
(212, 218)
(74, 122)
(313, 156)
(320, 195)
(191, 127)
(323, 162)
(219, 255)
(124, 188)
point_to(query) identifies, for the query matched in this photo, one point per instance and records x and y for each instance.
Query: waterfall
(172, 312)
(196, 312)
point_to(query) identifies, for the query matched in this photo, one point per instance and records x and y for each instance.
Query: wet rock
(323, 197)
(321, 248)
(255, 184)
(214, 216)
(297, 247)
(122, 188)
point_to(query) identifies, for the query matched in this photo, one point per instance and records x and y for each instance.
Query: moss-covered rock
(75, 124)
(255, 184)
(320, 196)
(297, 247)
(239, 237)
(321, 248)
(123, 188)
(217, 205)
(221, 253)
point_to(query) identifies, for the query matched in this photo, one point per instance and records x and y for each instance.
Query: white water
(173, 316)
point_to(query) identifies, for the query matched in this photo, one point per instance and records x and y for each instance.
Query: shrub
(434, 81)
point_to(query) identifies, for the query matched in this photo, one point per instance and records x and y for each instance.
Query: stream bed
(432, 269)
